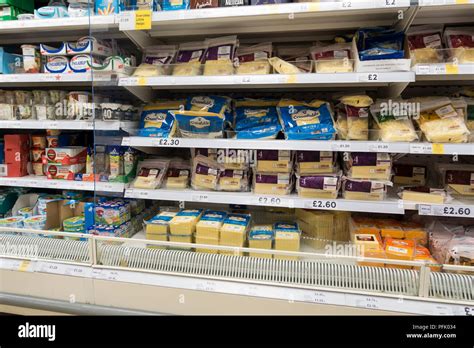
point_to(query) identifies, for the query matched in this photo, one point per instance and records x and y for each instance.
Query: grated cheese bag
(353, 117)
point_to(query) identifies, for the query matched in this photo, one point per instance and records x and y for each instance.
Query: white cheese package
(353, 117)
(205, 173)
(235, 159)
(394, 120)
(425, 42)
(236, 180)
(333, 58)
(315, 162)
(274, 161)
(368, 165)
(253, 60)
(189, 58)
(306, 121)
(91, 46)
(458, 179)
(219, 59)
(318, 185)
(150, 174)
(199, 124)
(156, 61)
(283, 67)
(424, 194)
(439, 120)
(460, 40)
(367, 190)
(272, 183)
(210, 153)
(178, 174)
(256, 119)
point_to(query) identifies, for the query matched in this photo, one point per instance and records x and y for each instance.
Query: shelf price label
(135, 20)
(320, 204)
(200, 198)
(469, 311)
(390, 3)
(446, 210)
(421, 148)
(368, 302)
(379, 147)
(166, 142)
(341, 146)
(369, 77)
(269, 201)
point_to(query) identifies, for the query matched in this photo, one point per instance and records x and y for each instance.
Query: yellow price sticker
(292, 79)
(313, 6)
(462, 2)
(24, 266)
(142, 20)
(438, 149)
(141, 81)
(452, 69)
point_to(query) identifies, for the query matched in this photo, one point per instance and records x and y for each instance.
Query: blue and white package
(306, 121)
(172, 5)
(200, 124)
(157, 120)
(380, 43)
(211, 103)
(256, 119)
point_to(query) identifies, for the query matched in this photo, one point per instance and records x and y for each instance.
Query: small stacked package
(353, 117)
(256, 119)
(208, 229)
(261, 237)
(367, 175)
(183, 225)
(112, 218)
(274, 172)
(234, 232)
(287, 238)
(158, 227)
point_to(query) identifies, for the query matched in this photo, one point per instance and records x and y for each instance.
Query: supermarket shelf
(445, 73)
(272, 19)
(309, 145)
(37, 80)
(56, 29)
(272, 81)
(43, 182)
(444, 11)
(248, 198)
(66, 124)
(457, 208)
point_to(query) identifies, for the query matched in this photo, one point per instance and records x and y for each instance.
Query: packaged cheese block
(206, 173)
(423, 254)
(400, 249)
(207, 240)
(149, 70)
(287, 237)
(368, 165)
(235, 159)
(189, 58)
(199, 124)
(318, 185)
(458, 178)
(424, 42)
(234, 180)
(416, 231)
(272, 183)
(306, 121)
(151, 173)
(369, 190)
(358, 224)
(220, 55)
(159, 224)
(409, 174)
(210, 224)
(259, 67)
(439, 120)
(256, 119)
(211, 153)
(274, 161)
(374, 254)
(394, 120)
(461, 42)
(218, 68)
(353, 117)
(261, 237)
(234, 229)
(177, 178)
(253, 60)
(181, 239)
(367, 241)
(157, 119)
(391, 228)
(318, 227)
(184, 222)
(333, 58)
(187, 69)
(423, 194)
(282, 67)
(314, 162)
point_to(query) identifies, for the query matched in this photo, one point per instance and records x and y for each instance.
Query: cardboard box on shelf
(17, 154)
(58, 211)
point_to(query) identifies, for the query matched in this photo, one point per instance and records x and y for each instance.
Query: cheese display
(150, 174)
(368, 165)
(315, 162)
(424, 42)
(274, 161)
(272, 183)
(287, 238)
(409, 174)
(457, 178)
(370, 190)
(461, 43)
(159, 224)
(393, 118)
(210, 224)
(157, 119)
(256, 119)
(318, 185)
(306, 121)
(184, 222)
(261, 237)
(253, 60)
(353, 117)
(234, 230)
(211, 103)
(439, 120)
(423, 194)
(205, 173)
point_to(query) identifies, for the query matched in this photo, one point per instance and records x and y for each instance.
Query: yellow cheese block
(187, 69)
(272, 183)
(261, 237)
(422, 197)
(160, 223)
(210, 224)
(207, 240)
(181, 239)
(280, 162)
(364, 196)
(234, 230)
(400, 250)
(160, 237)
(287, 237)
(283, 67)
(377, 254)
(465, 190)
(371, 172)
(218, 67)
(184, 223)
(366, 242)
(258, 67)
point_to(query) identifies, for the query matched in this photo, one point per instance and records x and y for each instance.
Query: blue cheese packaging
(380, 43)
(200, 124)
(158, 120)
(212, 103)
(306, 121)
(256, 119)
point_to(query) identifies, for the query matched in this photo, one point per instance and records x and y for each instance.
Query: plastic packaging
(189, 58)
(274, 161)
(424, 42)
(368, 165)
(333, 58)
(298, 55)
(369, 190)
(353, 117)
(151, 173)
(283, 67)
(423, 194)
(318, 185)
(173, 5)
(157, 120)
(272, 183)
(206, 173)
(35, 222)
(253, 60)
(211, 103)
(12, 222)
(220, 55)
(461, 42)
(315, 162)
(256, 119)
(457, 178)
(178, 174)
(379, 43)
(306, 121)
(234, 180)
(199, 124)
(394, 123)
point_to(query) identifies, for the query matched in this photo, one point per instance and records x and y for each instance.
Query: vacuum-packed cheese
(253, 60)
(274, 161)
(391, 228)
(287, 237)
(368, 165)
(282, 67)
(318, 185)
(184, 222)
(207, 240)
(313, 162)
(210, 224)
(423, 194)
(400, 249)
(353, 117)
(369, 190)
(459, 179)
(206, 173)
(261, 237)
(234, 229)
(409, 174)
(272, 183)
(159, 224)
(234, 180)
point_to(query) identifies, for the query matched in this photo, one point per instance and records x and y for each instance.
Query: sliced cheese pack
(159, 224)
(199, 124)
(151, 173)
(157, 119)
(234, 180)
(261, 237)
(287, 237)
(368, 165)
(333, 58)
(272, 183)
(458, 178)
(210, 224)
(234, 230)
(207, 240)
(206, 173)
(274, 161)
(181, 239)
(306, 121)
(370, 190)
(314, 162)
(409, 174)
(317, 225)
(318, 185)
(184, 222)
(177, 177)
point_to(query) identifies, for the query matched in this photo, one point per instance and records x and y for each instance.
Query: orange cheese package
(415, 231)
(363, 225)
(391, 228)
(400, 249)
(423, 254)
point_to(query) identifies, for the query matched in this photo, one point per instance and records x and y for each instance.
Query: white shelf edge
(87, 77)
(71, 23)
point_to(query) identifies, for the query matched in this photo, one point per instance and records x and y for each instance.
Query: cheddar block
(416, 232)
(184, 222)
(274, 161)
(391, 228)
(283, 67)
(159, 237)
(318, 185)
(364, 190)
(261, 237)
(314, 162)
(272, 183)
(399, 249)
(364, 226)
(234, 230)
(365, 242)
(317, 225)
(407, 174)
(369, 165)
(181, 239)
(205, 174)
(210, 224)
(287, 237)
(424, 195)
(423, 254)
(461, 181)
(177, 178)
(341, 225)
(207, 240)
(160, 223)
